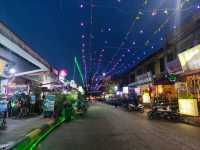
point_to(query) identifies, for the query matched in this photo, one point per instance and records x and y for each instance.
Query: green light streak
(79, 69)
(42, 137)
(32, 143)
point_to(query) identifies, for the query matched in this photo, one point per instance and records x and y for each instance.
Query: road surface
(108, 128)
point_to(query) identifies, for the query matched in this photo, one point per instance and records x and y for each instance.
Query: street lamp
(116, 88)
(12, 71)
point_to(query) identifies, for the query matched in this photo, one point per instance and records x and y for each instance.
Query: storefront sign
(49, 103)
(125, 90)
(2, 66)
(188, 107)
(172, 78)
(174, 66)
(137, 90)
(142, 79)
(190, 59)
(146, 98)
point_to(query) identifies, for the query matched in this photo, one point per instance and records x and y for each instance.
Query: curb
(30, 137)
(190, 121)
(31, 140)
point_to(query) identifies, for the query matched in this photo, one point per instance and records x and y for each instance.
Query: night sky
(107, 36)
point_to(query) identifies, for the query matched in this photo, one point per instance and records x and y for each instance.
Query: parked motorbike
(163, 112)
(139, 108)
(80, 107)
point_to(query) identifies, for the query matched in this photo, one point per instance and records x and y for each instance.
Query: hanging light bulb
(82, 24)
(81, 6)
(154, 13)
(83, 36)
(166, 12)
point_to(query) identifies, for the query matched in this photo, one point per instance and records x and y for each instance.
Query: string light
(82, 23)
(154, 13)
(148, 42)
(166, 12)
(81, 6)
(83, 36)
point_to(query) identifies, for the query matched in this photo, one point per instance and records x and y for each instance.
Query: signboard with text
(189, 59)
(188, 107)
(174, 66)
(142, 79)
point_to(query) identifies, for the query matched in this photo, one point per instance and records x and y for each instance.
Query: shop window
(162, 64)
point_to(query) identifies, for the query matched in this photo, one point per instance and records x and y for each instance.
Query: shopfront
(143, 87)
(164, 89)
(189, 90)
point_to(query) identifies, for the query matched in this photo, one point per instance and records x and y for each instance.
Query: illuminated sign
(146, 98)
(188, 107)
(2, 66)
(174, 66)
(62, 75)
(142, 79)
(137, 90)
(80, 89)
(190, 59)
(125, 90)
(172, 78)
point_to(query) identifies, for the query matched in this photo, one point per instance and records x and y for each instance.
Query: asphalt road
(107, 128)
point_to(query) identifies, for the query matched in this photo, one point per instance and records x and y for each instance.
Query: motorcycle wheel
(3, 125)
(141, 110)
(150, 115)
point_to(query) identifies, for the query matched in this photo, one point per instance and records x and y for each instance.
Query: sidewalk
(17, 128)
(191, 120)
(195, 121)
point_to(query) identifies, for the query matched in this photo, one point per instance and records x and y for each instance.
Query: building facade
(172, 73)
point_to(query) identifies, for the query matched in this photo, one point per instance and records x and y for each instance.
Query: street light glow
(12, 71)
